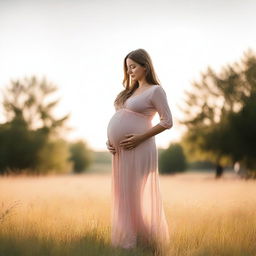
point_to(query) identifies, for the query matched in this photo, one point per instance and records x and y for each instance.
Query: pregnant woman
(138, 216)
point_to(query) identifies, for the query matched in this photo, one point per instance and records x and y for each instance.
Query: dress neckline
(142, 92)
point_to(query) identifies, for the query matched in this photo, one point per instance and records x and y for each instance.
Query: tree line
(32, 138)
(220, 117)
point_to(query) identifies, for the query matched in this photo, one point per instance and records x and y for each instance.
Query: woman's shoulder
(158, 93)
(158, 88)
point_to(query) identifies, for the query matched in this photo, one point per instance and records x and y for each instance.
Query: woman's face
(135, 70)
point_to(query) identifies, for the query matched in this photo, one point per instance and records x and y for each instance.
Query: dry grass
(70, 215)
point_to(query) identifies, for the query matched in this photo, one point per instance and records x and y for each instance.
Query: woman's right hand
(110, 147)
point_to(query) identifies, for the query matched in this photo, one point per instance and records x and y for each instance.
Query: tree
(54, 157)
(29, 137)
(172, 160)
(210, 110)
(28, 99)
(80, 155)
(19, 146)
(243, 126)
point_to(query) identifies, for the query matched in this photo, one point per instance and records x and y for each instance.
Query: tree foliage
(29, 99)
(219, 114)
(81, 156)
(172, 160)
(30, 136)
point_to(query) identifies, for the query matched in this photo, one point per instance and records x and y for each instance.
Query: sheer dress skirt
(137, 213)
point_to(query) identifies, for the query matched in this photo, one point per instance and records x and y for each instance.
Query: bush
(172, 159)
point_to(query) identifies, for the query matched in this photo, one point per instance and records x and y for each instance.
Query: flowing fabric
(137, 213)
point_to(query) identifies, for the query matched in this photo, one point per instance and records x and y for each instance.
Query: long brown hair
(141, 57)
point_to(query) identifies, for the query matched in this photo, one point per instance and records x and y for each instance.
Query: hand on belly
(132, 140)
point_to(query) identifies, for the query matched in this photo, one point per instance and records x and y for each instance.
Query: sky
(80, 47)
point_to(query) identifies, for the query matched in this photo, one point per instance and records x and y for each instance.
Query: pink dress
(137, 213)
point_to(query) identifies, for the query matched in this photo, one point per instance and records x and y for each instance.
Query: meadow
(70, 215)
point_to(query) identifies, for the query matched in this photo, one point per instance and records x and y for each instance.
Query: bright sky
(80, 46)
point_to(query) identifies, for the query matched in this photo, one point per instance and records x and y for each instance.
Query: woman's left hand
(132, 141)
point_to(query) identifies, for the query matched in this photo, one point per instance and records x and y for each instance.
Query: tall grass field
(70, 215)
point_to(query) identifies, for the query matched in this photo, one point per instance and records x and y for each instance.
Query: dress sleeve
(160, 102)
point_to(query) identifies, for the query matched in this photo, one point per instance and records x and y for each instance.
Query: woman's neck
(142, 83)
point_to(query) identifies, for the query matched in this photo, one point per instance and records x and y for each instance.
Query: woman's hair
(141, 57)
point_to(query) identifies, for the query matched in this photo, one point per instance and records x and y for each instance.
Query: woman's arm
(160, 103)
(152, 132)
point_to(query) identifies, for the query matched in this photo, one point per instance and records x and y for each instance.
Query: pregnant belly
(124, 122)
